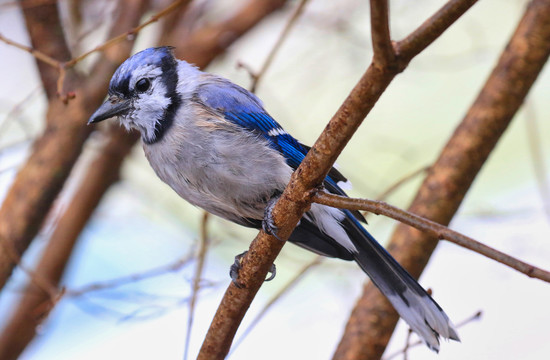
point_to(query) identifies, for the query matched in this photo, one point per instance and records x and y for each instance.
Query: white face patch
(149, 107)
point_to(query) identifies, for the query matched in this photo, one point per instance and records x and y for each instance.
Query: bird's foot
(268, 224)
(236, 267)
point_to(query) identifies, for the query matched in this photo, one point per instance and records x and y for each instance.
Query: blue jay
(216, 146)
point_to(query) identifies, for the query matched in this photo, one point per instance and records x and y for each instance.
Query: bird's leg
(234, 270)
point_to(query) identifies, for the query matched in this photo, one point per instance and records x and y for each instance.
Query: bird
(216, 146)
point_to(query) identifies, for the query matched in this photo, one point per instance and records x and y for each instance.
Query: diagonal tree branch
(431, 29)
(372, 321)
(294, 202)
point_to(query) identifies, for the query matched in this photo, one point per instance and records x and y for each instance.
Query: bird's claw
(268, 224)
(234, 270)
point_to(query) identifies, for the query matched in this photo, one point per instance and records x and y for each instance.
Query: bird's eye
(143, 85)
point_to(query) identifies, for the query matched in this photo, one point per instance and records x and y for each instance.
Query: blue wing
(245, 109)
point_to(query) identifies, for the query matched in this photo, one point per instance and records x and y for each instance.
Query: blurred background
(142, 225)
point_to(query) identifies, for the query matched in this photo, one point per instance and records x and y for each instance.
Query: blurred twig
(393, 187)
(109, 284)
(201, 257)
(63, 66)
(17, 109)
(538, 160)
(410, 345)
(282, 37)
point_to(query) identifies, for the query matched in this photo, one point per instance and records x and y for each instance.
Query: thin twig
(37, 279)
(393, 187)
(62, 67)
(434, 229)
(157, 271)
(133, 32)
(289, 25)
(37, 54)
(431, 29)
(201, 256)
(537, 159)
(464, 322)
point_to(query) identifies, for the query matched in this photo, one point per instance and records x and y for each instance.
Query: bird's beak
(108, 109)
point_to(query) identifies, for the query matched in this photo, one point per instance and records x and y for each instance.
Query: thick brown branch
(432, 228)
(373, 319)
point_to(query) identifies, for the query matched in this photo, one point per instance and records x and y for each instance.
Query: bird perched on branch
(216, 146)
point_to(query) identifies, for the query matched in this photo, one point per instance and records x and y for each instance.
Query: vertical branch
(294, 17)
(384, 54)
(373, 319)
(201, 257)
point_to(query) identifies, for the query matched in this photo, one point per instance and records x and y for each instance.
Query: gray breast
(218, 166)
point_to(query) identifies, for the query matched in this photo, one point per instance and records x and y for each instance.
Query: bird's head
(142, 93)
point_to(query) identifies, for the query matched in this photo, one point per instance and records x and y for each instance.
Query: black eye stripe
(143, 85)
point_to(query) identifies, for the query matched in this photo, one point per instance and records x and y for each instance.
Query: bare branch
(201, 256)
(284, 35)
(293, 203)
(431, 29)
(432, 228)
(384, 54)
(133, 32)
(464, 322)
